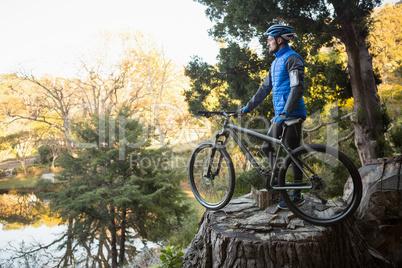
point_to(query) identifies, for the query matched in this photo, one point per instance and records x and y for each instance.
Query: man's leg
(292, 140)
(267, 147)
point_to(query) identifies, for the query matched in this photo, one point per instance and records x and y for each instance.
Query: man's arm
(262, 92)
(295, 67)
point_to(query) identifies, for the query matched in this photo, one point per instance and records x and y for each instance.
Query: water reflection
(15, 243)
(21, 210)
(32, 237)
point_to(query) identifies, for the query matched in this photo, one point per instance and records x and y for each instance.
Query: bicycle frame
(308, 168)
(230, 129)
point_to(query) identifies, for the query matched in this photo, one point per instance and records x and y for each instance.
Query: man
(286, 81)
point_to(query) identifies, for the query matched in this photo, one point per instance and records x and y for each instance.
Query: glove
(278, 120)
(244, 110)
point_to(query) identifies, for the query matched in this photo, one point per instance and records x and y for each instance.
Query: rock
(48, 176)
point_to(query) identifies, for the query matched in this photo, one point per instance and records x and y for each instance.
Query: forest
(118, 136)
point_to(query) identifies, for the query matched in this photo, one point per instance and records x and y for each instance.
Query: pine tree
(118, 187)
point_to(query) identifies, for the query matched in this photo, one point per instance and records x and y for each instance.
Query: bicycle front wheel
(328, 170)
(211, 175)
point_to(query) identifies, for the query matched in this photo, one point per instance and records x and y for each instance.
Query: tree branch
(326, 123)
(22, 254)
(350, 135)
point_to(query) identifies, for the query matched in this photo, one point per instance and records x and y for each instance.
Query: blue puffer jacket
(281, 83)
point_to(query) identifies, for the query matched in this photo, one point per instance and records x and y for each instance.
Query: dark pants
(292, 140)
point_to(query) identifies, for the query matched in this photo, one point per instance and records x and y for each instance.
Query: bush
(17, 170)
(246, 181)
(44, 154)
(3, 173)
(45, 186)
(171, 257)
(396, 137)
(186, 232)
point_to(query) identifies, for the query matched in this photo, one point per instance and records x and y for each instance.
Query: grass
(21, 180)
(17, 182)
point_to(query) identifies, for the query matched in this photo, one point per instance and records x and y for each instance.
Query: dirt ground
(14, 163)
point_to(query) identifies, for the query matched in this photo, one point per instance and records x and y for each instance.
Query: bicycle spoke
(211, 177)
(323, 204)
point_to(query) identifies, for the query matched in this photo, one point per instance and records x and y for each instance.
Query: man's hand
(278, 120)
(242, 112)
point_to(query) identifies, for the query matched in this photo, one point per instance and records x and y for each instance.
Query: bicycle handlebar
(222, 113)
(228, 114)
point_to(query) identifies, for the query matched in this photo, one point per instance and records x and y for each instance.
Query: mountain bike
(212, 174)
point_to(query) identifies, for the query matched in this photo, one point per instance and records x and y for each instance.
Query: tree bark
(379, 216)
(123, 237)
(113, 235)
(367, 119)
(68, 256)
(242, 235)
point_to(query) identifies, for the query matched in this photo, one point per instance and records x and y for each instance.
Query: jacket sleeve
(262, 92)
(295, 68)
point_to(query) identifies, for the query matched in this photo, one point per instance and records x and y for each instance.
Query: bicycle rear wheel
(211, 175)
(329, 169)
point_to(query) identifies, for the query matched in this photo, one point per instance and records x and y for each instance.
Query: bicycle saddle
(290, 122)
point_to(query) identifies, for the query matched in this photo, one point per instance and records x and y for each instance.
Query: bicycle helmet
(279, 30)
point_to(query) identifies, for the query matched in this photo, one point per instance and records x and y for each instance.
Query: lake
(26, 225)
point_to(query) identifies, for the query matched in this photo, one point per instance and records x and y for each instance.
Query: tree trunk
(67, 134)
(113, 242)
(158, 126)
(367, 121)
(242, 235)
(101, 260)
(53, 168)
(123, 237)
(23, 163)
(68, 256)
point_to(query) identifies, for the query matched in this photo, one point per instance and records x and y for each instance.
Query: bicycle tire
(333, 168)
(213, 193)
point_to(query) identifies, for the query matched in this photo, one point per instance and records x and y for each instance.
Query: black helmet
(276, 30)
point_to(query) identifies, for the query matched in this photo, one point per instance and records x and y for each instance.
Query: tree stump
(243, 235)
(379, 216)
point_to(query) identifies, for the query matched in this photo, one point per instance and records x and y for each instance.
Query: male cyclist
(286, 81)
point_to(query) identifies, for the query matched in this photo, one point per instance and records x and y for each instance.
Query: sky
(47, 36)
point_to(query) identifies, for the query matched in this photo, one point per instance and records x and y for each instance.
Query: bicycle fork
(210, 174)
